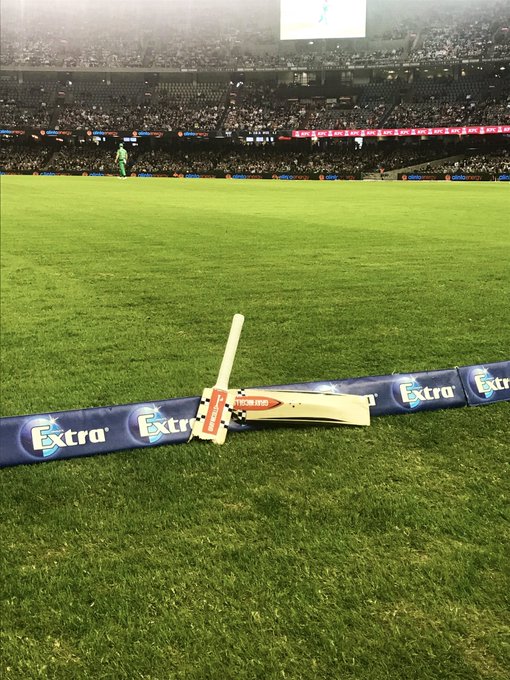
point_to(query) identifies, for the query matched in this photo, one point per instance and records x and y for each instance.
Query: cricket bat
(214, 412)
(286, 406)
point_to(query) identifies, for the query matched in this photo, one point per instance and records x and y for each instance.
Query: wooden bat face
(291, 406)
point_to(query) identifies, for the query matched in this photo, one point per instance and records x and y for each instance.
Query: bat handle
(230, 352)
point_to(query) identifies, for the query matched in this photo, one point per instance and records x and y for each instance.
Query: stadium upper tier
(440, 33)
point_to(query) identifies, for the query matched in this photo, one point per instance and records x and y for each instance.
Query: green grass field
(370, 554)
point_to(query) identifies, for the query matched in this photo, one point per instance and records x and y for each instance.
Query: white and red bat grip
(230, 352)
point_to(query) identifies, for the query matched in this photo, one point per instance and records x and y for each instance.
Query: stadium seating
(438, 32)
(339, 158)
(26, 105)
(261, 107)
(138, 106)
(22, 159)
(81, 159)
(119, 85)
(483, 163)
(331, 117)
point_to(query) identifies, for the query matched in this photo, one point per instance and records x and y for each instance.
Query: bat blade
(214, 412)
(273, 406)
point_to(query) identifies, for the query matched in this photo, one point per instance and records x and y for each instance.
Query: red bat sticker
(213, 419)
(254, 403)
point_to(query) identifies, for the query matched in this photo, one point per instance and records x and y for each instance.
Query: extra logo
(411, 394)
(44, 437)
(485, 385)
(148, 425)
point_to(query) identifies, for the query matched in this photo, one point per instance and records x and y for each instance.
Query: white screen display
(314, 19)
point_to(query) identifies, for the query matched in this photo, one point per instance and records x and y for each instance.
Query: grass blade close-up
(307, 553)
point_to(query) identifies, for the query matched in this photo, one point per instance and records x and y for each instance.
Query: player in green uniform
(121, 158)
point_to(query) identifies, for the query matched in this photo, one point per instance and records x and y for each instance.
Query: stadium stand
(136, 105)
(433, 113)
(257, 107)
(461, 32)
(332, 117)
(22, 158)
(340, 158)
(117, 82)
(81, 159)
(94, 104)
(187, 106)
(26, 105)
(263, 107)
(485, 163)
(440, 32)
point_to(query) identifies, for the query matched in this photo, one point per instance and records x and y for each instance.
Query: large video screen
(314, 19)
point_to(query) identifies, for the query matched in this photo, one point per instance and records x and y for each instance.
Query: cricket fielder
(121, 158)
(324, 15)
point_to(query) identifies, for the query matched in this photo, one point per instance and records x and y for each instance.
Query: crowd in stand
(490, 164)
(14, 116)
(82, 159)
(177, 106)
(492, 112)
(337, 158)
(211, 56)
(251, 161)
(436, 33)
(464, 33)
(22, 159)
(331, 117)
(150, 117)
(255, 108)
(77, 118)
(171, 115)
(25, 106)
(255, 160)
(112, 50)
(258, 107)
(37, 50)
(83, 49)
(434, 113)
(261, 107)
(189, 52)
(264, 159)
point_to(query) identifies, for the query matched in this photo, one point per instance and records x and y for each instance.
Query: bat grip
(230, 352)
